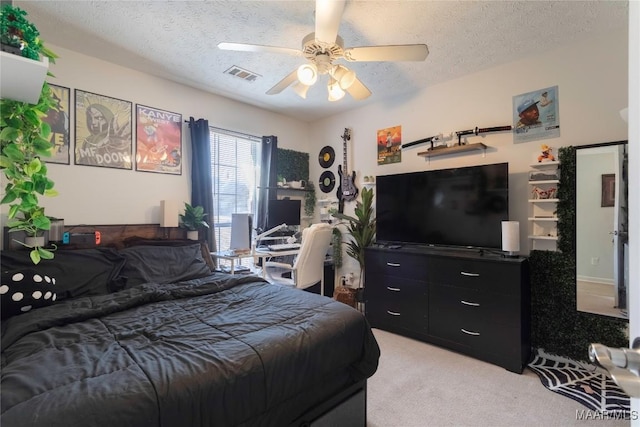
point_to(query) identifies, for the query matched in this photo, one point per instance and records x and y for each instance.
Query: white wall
(592, 85)
(95, 195)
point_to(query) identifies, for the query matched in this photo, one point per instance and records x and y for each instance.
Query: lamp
(307, 74)
(335, 92)
(511, 237)
(168, 213)
(344, 76)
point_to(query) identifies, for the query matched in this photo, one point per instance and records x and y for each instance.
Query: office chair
(308, 265)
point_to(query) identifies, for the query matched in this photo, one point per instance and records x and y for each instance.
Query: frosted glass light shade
(307, 74)
(335, 92)
(301, 90)
(344, 76)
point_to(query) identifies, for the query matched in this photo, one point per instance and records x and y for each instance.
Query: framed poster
(388, 142)
(103, 131)
(58, 118)
(608, 198)
(158, 140)
(535, 115)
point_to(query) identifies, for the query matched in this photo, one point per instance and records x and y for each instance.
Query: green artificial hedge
(556, 325)
(293, 165)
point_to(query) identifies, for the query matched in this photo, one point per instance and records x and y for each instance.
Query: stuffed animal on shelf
(546, 154)
(539, 193)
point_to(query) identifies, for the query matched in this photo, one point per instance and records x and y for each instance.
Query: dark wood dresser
(473, 303)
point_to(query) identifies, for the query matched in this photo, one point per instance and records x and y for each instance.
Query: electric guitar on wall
(347, 189)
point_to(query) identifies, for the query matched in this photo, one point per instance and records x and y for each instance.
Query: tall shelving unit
(543, 218)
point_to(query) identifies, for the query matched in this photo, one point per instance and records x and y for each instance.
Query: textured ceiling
(178, 40)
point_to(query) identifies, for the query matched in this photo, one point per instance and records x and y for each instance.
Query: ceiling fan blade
(328, 16)
(405, 52)
(358, 90)
(243, 47)
(284, 83)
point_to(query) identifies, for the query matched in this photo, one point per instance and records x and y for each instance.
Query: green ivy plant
(362, 228)
(24, 139)
(310, 199)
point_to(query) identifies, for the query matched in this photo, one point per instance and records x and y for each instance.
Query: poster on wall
(535, 115)
(58, 118)
(103, 131)
(158, 140)
(389, 142)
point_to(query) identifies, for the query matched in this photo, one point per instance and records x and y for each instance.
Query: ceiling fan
(323, 48)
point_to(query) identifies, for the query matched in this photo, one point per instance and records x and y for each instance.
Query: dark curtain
(268, 178)
(201, 184)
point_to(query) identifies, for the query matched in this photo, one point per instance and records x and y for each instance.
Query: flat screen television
(448, 207)
(283, 211)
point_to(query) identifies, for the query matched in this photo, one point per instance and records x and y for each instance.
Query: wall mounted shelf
(22, 78)
(452, 150)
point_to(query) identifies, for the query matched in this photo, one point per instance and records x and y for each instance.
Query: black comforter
(219, 350)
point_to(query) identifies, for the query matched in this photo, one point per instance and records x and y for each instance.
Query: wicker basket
(345, 295)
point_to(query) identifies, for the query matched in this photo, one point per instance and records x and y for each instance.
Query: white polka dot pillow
(24, 290)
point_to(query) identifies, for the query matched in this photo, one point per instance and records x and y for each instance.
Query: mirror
(602, 245)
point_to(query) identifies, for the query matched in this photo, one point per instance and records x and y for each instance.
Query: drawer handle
(393, 289)
(393, 264)
(470, 332)
(473, 304)
(393, 313)
(464, 273)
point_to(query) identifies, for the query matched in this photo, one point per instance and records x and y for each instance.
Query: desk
(232, 257)
(264, 255)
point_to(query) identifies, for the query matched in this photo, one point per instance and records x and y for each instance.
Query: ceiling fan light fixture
(307, 74)
(335, 91)
(344, 76)
(301, 90)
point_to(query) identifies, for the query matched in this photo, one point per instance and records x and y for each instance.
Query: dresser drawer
(469, 307)
(396, 313)
(383, 287)
(490, 276)
(396, 264)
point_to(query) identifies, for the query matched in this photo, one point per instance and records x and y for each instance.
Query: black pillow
(163, 264)
(24, 290)
(81, 272)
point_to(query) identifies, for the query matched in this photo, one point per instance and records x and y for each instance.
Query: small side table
(232, 257)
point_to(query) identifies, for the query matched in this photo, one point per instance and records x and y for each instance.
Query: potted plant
(193, 220)
(21, 37)
(24, 140)
(362, 228)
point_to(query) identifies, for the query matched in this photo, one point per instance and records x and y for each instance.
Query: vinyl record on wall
(327, 156)
(327, 181)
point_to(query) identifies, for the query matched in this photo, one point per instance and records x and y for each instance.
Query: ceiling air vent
(242, 73)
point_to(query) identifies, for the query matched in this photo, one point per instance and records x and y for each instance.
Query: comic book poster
(103, 131)
(158, 140)
(389, 142)
(535, 115)
(58, 118)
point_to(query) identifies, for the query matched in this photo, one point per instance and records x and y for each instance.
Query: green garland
(556, 324)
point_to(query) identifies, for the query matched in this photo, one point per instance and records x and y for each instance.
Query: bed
(149, 335)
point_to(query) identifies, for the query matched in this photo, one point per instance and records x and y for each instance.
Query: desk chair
(308, 265)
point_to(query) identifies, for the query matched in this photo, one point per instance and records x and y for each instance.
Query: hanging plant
(24, 141)
(310, 199)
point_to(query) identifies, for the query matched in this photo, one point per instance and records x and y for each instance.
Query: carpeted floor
(418, 384)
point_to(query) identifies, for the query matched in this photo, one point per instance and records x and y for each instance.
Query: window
(235, 170)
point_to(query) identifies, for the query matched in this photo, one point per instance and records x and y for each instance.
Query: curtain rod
(233, 132)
